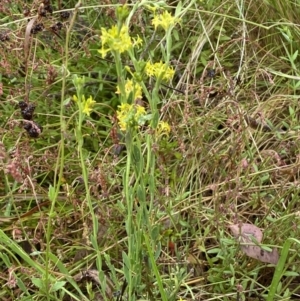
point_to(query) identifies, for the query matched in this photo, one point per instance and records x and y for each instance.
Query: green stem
(155, 269)
(121, 82)
(61, 155)
(129, 202)
(280, 267)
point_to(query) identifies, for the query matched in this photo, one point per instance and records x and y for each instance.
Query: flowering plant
(159, 69)
(131, 116)
(165, 20)
(115, 39)
(86, 104)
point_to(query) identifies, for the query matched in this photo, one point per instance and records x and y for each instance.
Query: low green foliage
(133, 136)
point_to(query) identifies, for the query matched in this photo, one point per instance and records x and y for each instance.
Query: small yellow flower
(131, 87)
(140, 111)
(114, 39)
(88, 106)
(103, 52)
(159, 69)
(151, 8)
(137, 42)
(165, 20)
(85, 105)
(130, 116)
(163, 128)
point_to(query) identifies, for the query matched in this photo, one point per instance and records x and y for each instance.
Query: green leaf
(279, 287)
(64, 271)
(5, 259)
(295, 55)
(155, 233)
(178, 8)
(176, 36)
(136, 155)
(266, 248)
(21, 285)
(214, 251)
(38, 283)
(51, 193)
(280, 267)
(58, 263)
(57, 286)
(67, 101)
(94, 242)
(126, 261)
(15, 248)
(291, 111)
(183, 196)
(157, 251)
(291, 274)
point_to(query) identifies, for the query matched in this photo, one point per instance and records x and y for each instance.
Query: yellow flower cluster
(133, 88)
(158, 69)
(165, 20)
(117, 40)
(163, 128)
(87, 104)
(130, 116)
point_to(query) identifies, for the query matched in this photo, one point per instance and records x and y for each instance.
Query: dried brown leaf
(249, 235)
(246, 231)
(258, 253)
(27, 38)
(94, 276)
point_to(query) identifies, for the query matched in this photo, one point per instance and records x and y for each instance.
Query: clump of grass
(163, 123)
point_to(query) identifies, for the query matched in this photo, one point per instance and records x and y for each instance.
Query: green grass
(94, 212)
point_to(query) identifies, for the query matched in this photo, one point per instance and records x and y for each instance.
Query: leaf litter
(250, 237)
